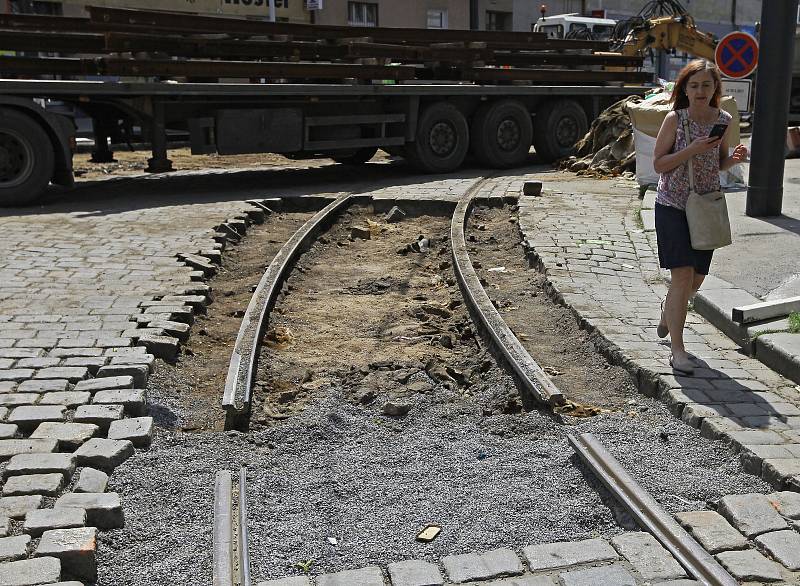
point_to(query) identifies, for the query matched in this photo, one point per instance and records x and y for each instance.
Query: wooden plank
(15, 40)
(765, 310)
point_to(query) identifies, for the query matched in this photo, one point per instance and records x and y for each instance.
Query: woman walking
(695, 99)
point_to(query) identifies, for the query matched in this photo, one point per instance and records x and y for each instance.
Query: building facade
(452, 14)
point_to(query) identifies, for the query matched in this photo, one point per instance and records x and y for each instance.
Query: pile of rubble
(607, 149)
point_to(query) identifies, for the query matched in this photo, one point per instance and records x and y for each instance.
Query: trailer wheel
(501, 134)
(27, 159)
(442, 139)
(357, 157)
(558, 125)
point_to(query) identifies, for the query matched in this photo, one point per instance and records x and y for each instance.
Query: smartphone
(718, 130)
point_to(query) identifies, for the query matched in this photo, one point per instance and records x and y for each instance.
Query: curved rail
(241, 372)
(649, 514)
(534, 379)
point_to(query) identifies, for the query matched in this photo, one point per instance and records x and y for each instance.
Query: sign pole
(770, 114)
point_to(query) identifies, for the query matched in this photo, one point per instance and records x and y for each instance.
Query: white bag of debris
(647, 117)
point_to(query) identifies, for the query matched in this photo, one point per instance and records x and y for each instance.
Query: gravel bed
(370, 482)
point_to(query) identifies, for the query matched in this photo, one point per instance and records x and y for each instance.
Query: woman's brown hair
(679, 99)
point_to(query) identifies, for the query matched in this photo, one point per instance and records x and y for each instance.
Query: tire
(442, 139)
(358, 157)
(27, 159)
(501, 134)
(558, 125)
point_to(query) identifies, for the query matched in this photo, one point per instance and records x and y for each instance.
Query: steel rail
(244, 536)
(649, 514)
(527, 370)
(244, 359)
(222, 553)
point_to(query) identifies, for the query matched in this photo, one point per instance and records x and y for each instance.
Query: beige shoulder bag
(707, 213)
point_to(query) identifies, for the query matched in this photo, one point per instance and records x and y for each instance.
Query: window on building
(437, 18)
(498, 21)
(362, 14)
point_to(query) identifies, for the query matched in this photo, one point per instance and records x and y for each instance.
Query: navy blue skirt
(674, 243)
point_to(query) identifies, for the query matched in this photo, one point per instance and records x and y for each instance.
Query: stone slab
(72, 373)
(521, 581)
(783, 546)
(44, 484)
(68, 435)
(750, 565)
(41, 520)
(8, 430)
(614, 574)
(786, 503)
(294, 581)
(43, 386)
(369, 576)
(415, 573)
(14, 548)
(13, 447)
(752, 514)
(648, 556)
(138, 372)
(75, 548)
(17, 399)
(30, 572)
(41, 464)
(139, 430)
(711, 530)
(16, 507)
(105, 454)
(69, 399)
(560, 555)
(91, 480)
(133, 400)
(103, 510)
(473, 566)
(30, 417)
(5, 526)
(101, 384)
(100, 415)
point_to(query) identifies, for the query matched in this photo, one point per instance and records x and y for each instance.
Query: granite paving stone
(749, 564)
(75, 548)
(16, 507)
(14, 447)
(25, 464)
(103, 510)
(139, 430)
(28, 418)
(138, 372)
(415, 573)
(779, 471)
(69, 399)
(519, 581)
(14, 548)
(559, 555)
(44, 484)
(474, 566)
(369, 576)
(711, 530)
(133, 400)
(91, 480)
(100, 415)
(786, 503)
(105, 454)
(8, 430)
(72, 373)
(783, 546)
(752, 514)
(43, 386)
(41, 520)
(614, 574)
(68, 435)
(293, 581)
(15, 399)
(647, 556)
(30, 572)
(101, 384)
(5, 526)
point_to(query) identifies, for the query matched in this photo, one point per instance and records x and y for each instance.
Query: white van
(567, 26)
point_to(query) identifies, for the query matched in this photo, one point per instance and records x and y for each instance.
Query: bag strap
(688, 135)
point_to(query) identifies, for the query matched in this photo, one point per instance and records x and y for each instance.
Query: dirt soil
(547, 330)
(203, 365)
(375, 310)
(135, 162)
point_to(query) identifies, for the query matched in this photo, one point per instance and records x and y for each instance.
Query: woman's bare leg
(680, 289)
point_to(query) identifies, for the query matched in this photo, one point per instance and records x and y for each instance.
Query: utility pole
(770, 115)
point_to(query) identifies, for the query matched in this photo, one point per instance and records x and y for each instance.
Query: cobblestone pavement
(95, 286)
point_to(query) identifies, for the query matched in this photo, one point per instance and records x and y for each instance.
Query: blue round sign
(737, 54)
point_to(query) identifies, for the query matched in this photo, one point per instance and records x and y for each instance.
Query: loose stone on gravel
(75, 548)
(44, 484)
(295, 581)
(41, 464)
(99, 415)
(711, 530)
(473, 566)
(17, 506)
(14, 548)
(103, 510)
(369, 576)
(69, 435)
(614, 574)
(415, 573)
(91, 480)
(784, 546)
(551, 556)
(139, 430)
(648, 556)
(41, 520)
(105, 454)
(749, 564)
(31, 572)
(752, 514)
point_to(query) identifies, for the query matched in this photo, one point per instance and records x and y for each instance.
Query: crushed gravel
(372, 482)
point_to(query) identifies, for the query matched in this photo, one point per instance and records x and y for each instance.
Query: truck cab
(573, 25)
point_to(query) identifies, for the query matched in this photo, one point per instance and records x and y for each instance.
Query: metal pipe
(649, 514)
(770, 116)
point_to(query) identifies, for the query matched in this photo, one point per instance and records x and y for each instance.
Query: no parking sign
(737, 54)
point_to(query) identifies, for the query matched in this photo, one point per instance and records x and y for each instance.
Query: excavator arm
(669, 32)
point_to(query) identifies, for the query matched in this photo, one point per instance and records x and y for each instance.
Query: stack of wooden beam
(124, 42)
